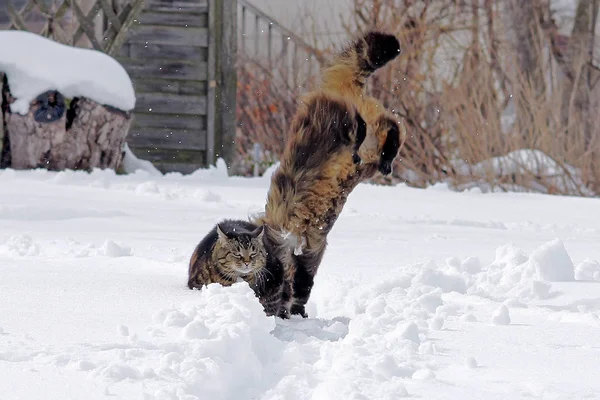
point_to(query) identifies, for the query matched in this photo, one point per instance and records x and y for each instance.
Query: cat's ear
(222, 235)
(258, 232)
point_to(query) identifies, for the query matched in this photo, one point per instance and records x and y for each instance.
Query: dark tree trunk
(84, 136)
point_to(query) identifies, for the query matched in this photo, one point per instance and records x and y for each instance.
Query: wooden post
(223, 34)
(211, 91)
(1, 117)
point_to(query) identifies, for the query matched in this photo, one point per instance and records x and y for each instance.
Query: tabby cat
(237, 249)
(338, 137)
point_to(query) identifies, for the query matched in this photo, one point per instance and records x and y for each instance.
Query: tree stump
(83, 135)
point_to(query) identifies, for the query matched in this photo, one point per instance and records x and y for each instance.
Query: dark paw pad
(385, 167)
(382, 48)
(390, 149)
(298, 310)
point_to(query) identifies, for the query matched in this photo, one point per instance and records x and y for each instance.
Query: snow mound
(588, 270)
(221, 345)
(514, 274)
(501, 316)
(552, 262)
(112, 249)
(525, 162)
(132, 164)
(219, 171)
(218, 346)
(20, 246)
(520, 162)
(74, 72)
(470, 362)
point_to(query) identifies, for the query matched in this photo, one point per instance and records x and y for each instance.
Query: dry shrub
(266, 102)
(475, 116)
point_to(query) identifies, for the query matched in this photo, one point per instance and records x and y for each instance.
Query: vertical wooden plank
(256, 31)
(270, 44)
(285, 56)
(243, 29)
(295, 65)
(1, 116)
(212, 82)
(225, 122)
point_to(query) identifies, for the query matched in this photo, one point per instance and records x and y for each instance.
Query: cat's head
(242, 252)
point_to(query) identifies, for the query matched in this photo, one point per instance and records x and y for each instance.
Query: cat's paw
(385, 167)
(298, 310)
(390, 149)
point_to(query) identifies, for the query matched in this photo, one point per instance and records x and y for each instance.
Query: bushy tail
(350, 68)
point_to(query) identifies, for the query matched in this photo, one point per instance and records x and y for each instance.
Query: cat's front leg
(271, 289)
(390, 148)
(307, 265)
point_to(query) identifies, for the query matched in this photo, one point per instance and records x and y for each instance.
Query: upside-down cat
(339, 137)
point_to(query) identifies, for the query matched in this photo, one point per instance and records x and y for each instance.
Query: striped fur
(338, 138)
(236, 249)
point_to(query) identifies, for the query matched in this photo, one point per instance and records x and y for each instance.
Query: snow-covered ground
(426, 294)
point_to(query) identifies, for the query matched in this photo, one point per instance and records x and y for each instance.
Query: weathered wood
(194, 54)
(150, 68)
(169, 35)
(175, 121)
(170, 86)
(86, 24)
(187, 78)
(158, 155)
(107, 38)
(196, 6)
(110, 14)
(177, 18)
(171, 104)
(113, 47)
(1, 117)
(166, 167)
(226, 90)
(16, 18)
(88, 136)
(168, 138)
(212, 84)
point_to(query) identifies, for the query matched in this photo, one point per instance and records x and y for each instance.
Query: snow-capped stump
(63, 107)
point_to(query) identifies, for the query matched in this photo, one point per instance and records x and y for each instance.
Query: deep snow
(74, 72)
(426, 294)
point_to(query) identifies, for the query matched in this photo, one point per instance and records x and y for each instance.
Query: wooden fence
(274, 66)
(181, 57)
